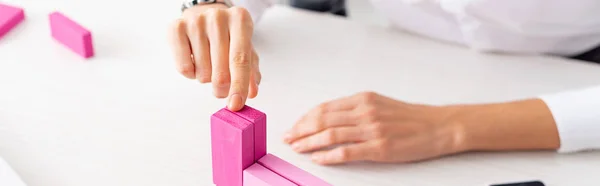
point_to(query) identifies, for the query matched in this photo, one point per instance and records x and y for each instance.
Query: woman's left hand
(371, 127)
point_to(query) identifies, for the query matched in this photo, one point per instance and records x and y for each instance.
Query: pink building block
(71, 34)
(10, 17)
(232, 143)
(290, 172)
(260, 129)
(257, 175)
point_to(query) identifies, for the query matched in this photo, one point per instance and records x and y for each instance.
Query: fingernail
(234, 100)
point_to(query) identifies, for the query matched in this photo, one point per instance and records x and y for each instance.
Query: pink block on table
(10, 16)
(257, 175)
(232, 145)
(71, 34)
(290, 172)
(260, 129)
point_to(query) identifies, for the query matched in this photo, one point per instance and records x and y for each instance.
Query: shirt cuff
(577, 117)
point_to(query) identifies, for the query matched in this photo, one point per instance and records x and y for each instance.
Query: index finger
(240, 56)
(333, 113)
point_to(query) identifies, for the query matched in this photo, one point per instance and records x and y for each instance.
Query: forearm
(518, 125)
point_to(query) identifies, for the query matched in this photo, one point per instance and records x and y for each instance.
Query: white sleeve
(557, 27)
(255, 7)
(8, 176)
(577, 116)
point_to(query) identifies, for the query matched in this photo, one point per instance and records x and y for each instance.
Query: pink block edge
(223, 170)
(260, 129)
(88, 48)
(257, 175)
(290, 172)
(14, 21)
(251, 114)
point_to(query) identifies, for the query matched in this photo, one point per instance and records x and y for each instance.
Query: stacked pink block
(239, 153)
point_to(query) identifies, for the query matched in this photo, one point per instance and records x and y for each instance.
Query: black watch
(190, 3)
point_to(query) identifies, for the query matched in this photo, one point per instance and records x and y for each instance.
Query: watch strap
(191, 3)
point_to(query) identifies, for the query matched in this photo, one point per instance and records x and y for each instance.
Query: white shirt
(552, 27)
(8, 177)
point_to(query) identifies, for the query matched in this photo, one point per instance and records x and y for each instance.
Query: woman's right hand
(213, 44)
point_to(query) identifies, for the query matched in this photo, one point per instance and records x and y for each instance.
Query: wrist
(518, 125)
(202, 8)
(449, 133)
(448, 116)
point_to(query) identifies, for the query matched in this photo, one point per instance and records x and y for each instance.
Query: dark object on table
(592, 55)
(337, 7)
(531, 183)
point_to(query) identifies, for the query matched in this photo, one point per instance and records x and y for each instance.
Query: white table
(126, 118)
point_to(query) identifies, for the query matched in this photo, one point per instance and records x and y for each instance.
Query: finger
(317, 123)
(340, 104)
(318, 119)
(254, 78)
(327, 138)
(200, 49)
(218, 35)
(181, 48)
(253, 87)
(240, 56)
(258, 78)
(344, 154)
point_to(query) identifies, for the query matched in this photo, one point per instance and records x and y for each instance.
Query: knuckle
(204, 79)
(240, 14)
(319, 115)
(242, 59)
(368, 97)
(213, 12)
(199, 21)
(215, 15)
(194, 19)
(204, 76)
(320, 123)
(192, 24)
(221, 79)
(322, 108)
(383, 148)
(344, 154)
(377, 130)
(237, 11)
(179, 24)
(186, 70)
(330, 136)
(370, 115)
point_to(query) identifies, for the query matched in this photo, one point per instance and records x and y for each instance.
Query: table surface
(127, 118)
